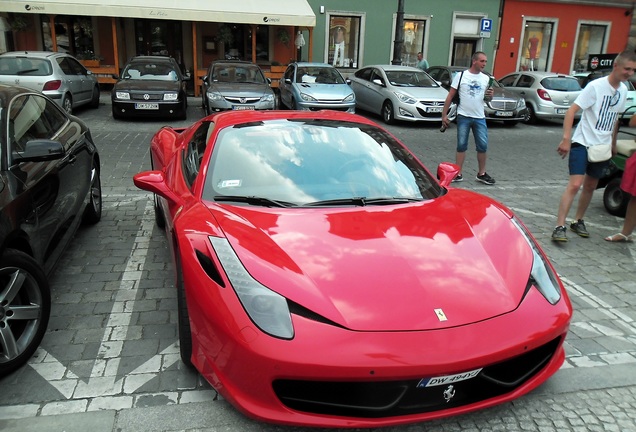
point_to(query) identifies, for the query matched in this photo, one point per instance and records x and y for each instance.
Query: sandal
(622, 238)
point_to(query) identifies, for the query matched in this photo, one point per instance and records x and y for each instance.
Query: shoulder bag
(599, 153)
(456, 97)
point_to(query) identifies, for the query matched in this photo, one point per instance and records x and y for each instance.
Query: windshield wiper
(254, 200)
(362, 201)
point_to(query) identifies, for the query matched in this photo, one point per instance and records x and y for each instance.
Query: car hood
(242, 90)
(423, 93)
(147, 85)
(325, 91)
(441, 263)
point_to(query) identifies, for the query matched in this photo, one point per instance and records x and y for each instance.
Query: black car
(150, 86)
(49, 184)
(504, 106)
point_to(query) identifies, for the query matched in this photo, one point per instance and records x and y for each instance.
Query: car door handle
(71, 159)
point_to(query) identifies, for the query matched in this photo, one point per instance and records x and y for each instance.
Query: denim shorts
(579, 165)
(480, 132)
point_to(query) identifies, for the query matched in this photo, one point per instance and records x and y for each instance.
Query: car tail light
(544, 95)
(52, 85)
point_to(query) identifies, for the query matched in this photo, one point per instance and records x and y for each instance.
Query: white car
(58, 75)
(400, 93)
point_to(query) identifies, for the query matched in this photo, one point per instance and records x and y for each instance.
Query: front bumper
(303, 381)
(151, 109)
(423, 112)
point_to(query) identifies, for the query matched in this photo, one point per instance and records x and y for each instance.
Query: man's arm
(566, 142)
(447, 102)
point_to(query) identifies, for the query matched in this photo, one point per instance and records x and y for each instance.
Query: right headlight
(267, 309)
(214, 96)
(541, 275)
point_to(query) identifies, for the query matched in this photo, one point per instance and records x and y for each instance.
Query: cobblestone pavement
(110, 362)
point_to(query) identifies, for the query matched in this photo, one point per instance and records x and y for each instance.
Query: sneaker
(458, 178)
(485, 178)
(559, 234)
(579, 228)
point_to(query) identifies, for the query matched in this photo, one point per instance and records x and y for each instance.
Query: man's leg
(463, 129)
(574, 184)
(589, 186)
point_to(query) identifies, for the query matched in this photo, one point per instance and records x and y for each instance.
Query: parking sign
(486, 25)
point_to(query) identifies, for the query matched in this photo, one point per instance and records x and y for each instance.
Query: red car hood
(436, 264)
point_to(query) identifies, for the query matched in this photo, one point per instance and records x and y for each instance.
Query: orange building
(559, 37)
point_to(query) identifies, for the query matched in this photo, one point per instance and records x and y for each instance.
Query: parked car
(400, 93)
(504, 106)
(548, 95)
(315, 86)
(236, 85)
(49, 183)
(58, 75)
(150, 86)
(315, 249)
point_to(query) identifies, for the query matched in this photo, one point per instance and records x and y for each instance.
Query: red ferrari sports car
(326, 278)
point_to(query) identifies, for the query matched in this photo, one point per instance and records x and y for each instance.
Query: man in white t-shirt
(602, 101)
(472, 85)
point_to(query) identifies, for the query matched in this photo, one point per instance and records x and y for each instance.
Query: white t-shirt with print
(471, 93)
(602, 104)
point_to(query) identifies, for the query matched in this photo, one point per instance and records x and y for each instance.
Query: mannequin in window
(533, 47)
(339, 42)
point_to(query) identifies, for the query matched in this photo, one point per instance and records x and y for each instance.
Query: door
(157, 37)
(56, 188)
(463, 50)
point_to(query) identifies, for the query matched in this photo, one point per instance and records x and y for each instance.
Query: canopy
(272, 12)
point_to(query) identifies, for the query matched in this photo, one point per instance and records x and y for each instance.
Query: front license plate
(242, 107)
(503, 113)
(146, 106)
(434, 109)
(448, 379)
(561, 110)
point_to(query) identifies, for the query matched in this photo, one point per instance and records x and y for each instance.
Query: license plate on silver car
(146, 106)
(242, 107)
(561, 110)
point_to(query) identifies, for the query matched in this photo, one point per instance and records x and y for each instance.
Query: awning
(272, 12)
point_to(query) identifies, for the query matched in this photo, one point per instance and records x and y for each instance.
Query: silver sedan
(400, 93)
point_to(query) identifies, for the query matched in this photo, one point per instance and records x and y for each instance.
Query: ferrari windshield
(310, 162)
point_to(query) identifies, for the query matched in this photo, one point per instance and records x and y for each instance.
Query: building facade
(556, 35)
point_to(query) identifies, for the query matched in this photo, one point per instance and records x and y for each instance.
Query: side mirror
(39, 150)
(378, 81)
(155, 182)
(115, 76)
(348, 81)
(446, 172)
(288, 81)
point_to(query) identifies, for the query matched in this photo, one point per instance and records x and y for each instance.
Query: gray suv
(236, 85)
(58, 75)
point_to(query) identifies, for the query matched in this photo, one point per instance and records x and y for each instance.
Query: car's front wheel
(93, 211)
(25, 307)
(95, 98)
(531, 117)
(388, 115)
(614, 199)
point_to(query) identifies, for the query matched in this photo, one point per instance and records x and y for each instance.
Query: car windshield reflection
(310, 161)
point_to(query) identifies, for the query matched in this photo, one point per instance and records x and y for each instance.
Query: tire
(388, 115)
(95, 99)
(67, 103)
(23, 286)
(185, 333)
(93, 211)
(614, 199)
(160, 220)
(531, 117)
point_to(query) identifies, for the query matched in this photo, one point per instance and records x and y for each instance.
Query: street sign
(485, 28)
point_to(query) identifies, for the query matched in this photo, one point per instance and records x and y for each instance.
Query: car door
(360, 85)
(73, 79)
(58, 188)
(285, 86)
(378, 91)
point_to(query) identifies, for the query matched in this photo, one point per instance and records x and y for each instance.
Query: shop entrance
(156, 37)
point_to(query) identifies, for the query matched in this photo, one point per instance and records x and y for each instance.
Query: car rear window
(561, 83)
(24, 66)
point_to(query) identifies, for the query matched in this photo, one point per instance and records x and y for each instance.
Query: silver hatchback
(58, 75)
(548, 95)
(236, 85)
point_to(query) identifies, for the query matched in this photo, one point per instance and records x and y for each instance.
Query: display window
(536, 46)
(343, 41)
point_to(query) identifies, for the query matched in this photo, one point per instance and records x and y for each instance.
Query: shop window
(591, 40)
(343, 41)
(414, 31)
(73, 35)
(536, 46)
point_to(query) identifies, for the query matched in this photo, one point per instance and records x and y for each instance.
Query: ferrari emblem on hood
(440, 315)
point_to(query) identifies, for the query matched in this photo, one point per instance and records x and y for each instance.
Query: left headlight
(521, 103)
(541, 276)
(268, 98)
(350, 98)
(171, 96)
(267, 309)
(402, 97)
(122, 95)
(307, 98)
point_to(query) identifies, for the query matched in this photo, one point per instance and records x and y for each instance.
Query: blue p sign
(486, 25)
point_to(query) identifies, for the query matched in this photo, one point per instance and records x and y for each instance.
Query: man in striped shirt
(602, 101)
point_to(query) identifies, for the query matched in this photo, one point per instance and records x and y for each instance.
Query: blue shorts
(480, 132)
(579, 165)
